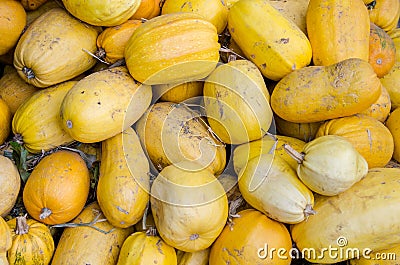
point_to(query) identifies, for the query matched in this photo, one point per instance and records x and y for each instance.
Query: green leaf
(20, 155)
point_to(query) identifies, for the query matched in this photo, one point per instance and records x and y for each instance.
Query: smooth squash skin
(277, 47)
(124, 168)
(5, 121)
(380, 109)
(12, 23)
(142, 249)
(295, 10)
(393, 124)
(319, 93)
(52, 49)
(5, 241)
(173, 48)
(10, 184)
(366, 216)
(37, 121)
(391, 82)
(332, 32)
(383, 257)
(85, 245)
(32, 243)
(102, 13)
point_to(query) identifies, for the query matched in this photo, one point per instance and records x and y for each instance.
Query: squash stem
(44, 213)
(21, 227)
(28, 72)
(309, 211)
(299, 157)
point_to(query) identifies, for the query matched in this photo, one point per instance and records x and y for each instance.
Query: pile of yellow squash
(195, 132)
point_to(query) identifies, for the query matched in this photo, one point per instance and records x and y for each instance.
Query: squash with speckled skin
(5, 241)
(10, 184)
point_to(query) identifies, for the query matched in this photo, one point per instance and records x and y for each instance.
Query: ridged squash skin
(32, 242)
(385, 14)
(366, 216)
(112, 41)
(13, 89)
(102, 13)
(51, 50)
(271, 186)
(331, 30)
(171, 133)
(124, 184)
(277, 47)
(37, 120)
(5, 241)
(103, 104)
(241, 240)
(173, 48)
(391, 82)
(5, 121)
(302, 131)
(337, 90)
(10, 184)
(369, 137)
(393, 124)
(142, 249)
(236, 102)
(193, 258)
(268, 144)
(85, 245)
(213, 10)
(330, 165)
(12, 23)
(57, 189)
(189, 206)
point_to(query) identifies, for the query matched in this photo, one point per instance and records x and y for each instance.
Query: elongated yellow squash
(366, 216)
(124, 168)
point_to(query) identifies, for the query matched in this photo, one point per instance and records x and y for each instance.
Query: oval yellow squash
(10, 184)
(5, 241)
(393, 124)
(277, 47)
(5, 121)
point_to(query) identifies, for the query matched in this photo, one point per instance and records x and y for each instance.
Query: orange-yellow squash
(385, 14)
(249, 240)
(213, 10)
(380, 109)
(102, 13)
(188, 91)
(295, 10)
(12, 22)
(37, 121)
(393, 124)
(57, 189)
(302, 131)
(277, 47)
(193, 258)
(5, 241)
(5, 121)
(369, 137)
(99, 244)
(32, 242)
(173, 48)
(338, 30)
(103, 104)
(319, 93)
(54, 49)
(364, 216)
(189, 206)
(123, 187)
(148, 9)
(10, 184)
(142, 249)
(391, 82)
(388, 256)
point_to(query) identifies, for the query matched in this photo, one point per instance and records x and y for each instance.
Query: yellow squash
(389, 256)
(189, 206)
(12, 23)
(103, 104)
(364, 216)
(268, 144)
(391, 82)
(380, 109)
(236, 102)
(32, 242)
(123, 187)
(295, 10)
(172, 133)
(102, 13)
(187, 91)
(271, 186)
(37, 121)
(10, 184)
(393, 124)
(5, 241)
(5, 121)
(319, 93)
(142, 249)
(213, 10)
(193, 258)
(99, 244)
(302, 131)
(385, 14)
(338, 30)
(54, 49)
(173, 48)
(329, 165)
(369, 137)
(277, 47)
